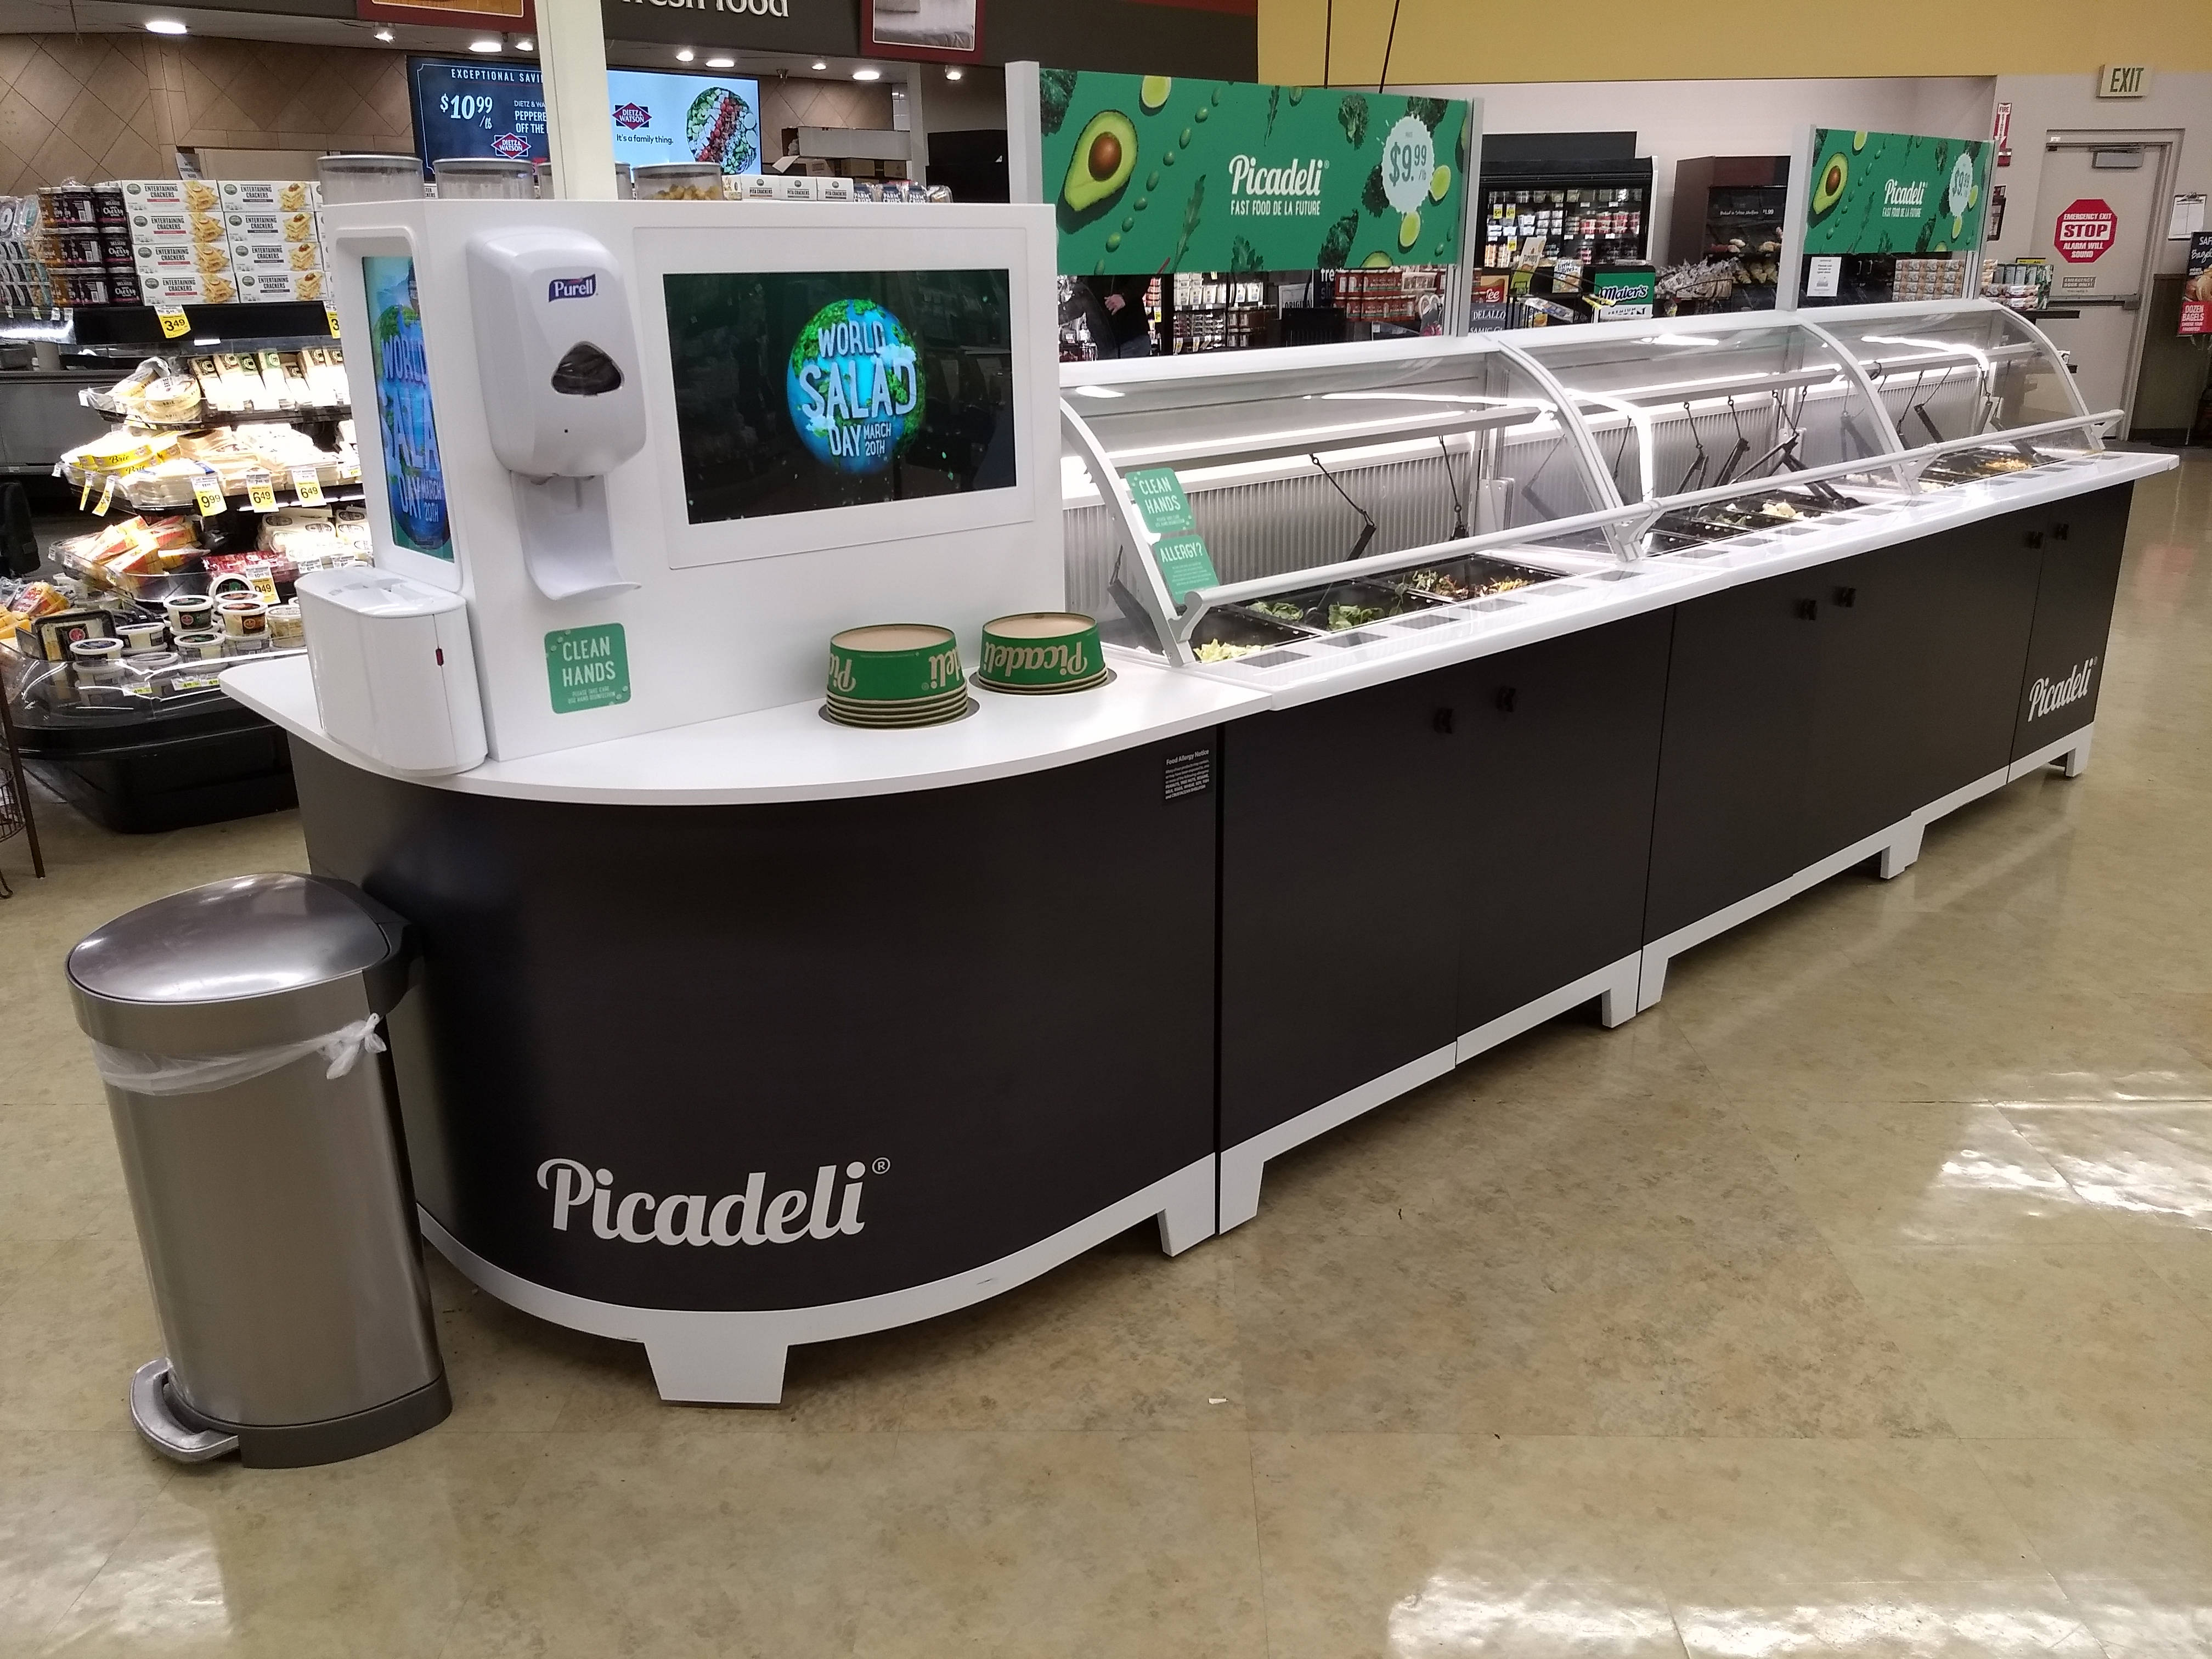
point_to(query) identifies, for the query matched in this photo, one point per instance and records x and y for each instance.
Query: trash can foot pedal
(163, 1425)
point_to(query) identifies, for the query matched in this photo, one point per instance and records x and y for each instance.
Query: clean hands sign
(1895, 193)
(1150, 175)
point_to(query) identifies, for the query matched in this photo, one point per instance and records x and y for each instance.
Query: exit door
(2096, 223)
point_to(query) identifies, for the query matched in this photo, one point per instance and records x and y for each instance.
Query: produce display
(1759, 510)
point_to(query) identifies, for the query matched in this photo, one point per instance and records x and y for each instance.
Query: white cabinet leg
(1187, 1217)
(717, 1368)
(1901, 853)
(1617, 1004)
(1241, 1169)
(2076, 759)
(1651, 977)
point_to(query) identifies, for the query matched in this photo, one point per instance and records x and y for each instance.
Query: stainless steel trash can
(234, 1026)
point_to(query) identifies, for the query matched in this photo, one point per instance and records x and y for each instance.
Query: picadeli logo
(572, 287)
(2047, 694)
(747, 1217)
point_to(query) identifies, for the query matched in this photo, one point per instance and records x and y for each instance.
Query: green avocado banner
(1153, 174)
(1895, 193)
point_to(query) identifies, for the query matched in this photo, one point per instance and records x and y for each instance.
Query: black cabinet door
(1736, 749)
(2082, 542)
(1561, 743)
(1340, 821)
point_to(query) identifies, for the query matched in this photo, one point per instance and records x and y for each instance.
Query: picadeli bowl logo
(631, 117)
(752, 1216)
(854, 386)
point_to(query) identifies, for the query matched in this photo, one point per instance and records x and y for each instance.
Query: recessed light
(385, 36)
(721, 62)
(684, 54)
(952, 74)
(164, 26)
(484, 45)
(818, 63)
(525, 44)
(867, 75)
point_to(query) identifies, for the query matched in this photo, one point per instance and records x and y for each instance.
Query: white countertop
(792, 754)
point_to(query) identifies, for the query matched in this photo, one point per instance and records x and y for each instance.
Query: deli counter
(1663, 622)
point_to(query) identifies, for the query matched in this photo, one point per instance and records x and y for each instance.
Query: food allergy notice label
(587, 667)
(1188, 774)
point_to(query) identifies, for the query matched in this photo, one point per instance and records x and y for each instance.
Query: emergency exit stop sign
(2085, 231)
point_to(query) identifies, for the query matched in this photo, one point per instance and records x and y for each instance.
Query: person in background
(1125, 309)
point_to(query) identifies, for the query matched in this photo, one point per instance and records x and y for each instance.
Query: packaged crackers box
(179, 289)
(179, 195)
(152, 259)
(271, 195)
(270, 224)
(272, 287)
(275, 256)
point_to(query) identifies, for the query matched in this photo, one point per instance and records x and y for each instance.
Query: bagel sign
(2085, 231)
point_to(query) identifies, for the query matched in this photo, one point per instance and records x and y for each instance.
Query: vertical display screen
(414, 479)
(796, 391)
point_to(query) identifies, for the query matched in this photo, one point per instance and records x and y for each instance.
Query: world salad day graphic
(1152, 174)
(856, 395)
(414, 478)
(1895, 193)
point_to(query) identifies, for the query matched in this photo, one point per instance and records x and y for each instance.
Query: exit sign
(2123, 81)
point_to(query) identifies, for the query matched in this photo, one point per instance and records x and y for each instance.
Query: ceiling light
(818, 63)
(524, 43)
(721, 62)
(952, 74)
(484, 45)
(164, 26)
(867, 75)
(684, 54)
(385, 36)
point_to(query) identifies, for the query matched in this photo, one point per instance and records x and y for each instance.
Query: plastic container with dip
(244, 618)
(144, 636)
(369, 178)
(484, 179)
(200, 645)
(96, 661)
(677, 181)
(285, 632)
(1041, 651)
(189, 613)
(150, 662)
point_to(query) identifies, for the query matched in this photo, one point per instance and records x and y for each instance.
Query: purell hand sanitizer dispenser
(558, 359)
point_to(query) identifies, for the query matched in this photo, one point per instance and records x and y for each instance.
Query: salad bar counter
(1666, 622)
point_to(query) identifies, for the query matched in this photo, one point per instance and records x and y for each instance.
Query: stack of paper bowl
(1042, 652)
(897, 674)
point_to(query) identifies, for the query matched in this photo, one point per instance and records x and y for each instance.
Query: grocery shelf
(135, 330)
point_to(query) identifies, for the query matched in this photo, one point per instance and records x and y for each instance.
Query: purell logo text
(747, 1217)
(2045, 695)
(572, 287)
(1247, 178)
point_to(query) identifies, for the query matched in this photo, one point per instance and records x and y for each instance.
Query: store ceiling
(128, 17)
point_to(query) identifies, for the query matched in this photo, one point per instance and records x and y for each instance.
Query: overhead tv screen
(798, 390)
(661, 117)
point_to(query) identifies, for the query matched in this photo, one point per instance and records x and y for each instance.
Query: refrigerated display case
(1728, 218)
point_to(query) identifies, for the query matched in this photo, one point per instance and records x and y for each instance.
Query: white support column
(572, 50)
(1459, 295)
(917, 126)
(1024, 138)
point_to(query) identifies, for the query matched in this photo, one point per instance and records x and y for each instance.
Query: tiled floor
(1857, 1299)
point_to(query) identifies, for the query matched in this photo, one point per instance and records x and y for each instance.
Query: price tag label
(85, 494)
(264, 585)
(1409, 164)
(310, 486)
(207, 493)
(331, 316)
(106, 495)
(174, 323)
(348, 471)
(260, 493)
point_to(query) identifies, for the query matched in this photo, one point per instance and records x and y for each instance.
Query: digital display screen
(796, 391)
(661, 117)
(477, 109)
(414, 478)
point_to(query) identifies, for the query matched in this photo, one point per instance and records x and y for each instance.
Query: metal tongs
(1742, 447)
(1701, 461)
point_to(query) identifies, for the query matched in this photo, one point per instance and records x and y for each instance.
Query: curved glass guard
(1975, 373)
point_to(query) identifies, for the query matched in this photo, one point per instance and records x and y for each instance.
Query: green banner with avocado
(1151, 174)
(1895, 193)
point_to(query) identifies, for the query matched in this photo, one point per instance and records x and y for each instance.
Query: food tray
(1973, 465)
(1244, 633)
(1341, 606)
(1473, 576)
